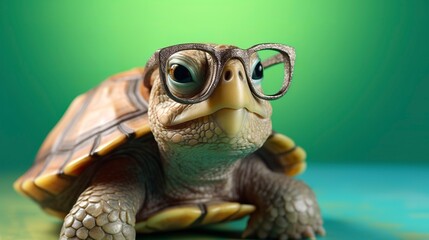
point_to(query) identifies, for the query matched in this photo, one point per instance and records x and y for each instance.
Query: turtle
(183, 142)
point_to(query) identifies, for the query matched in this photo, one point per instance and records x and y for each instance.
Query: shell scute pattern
(95, 124)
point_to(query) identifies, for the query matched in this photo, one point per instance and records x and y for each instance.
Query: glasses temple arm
(278, 58)
(149, 68)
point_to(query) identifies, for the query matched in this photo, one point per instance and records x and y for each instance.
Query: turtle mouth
(230, 120)
(237, 114)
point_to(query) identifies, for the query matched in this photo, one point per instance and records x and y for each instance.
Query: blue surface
(357, 201)
(372, 202)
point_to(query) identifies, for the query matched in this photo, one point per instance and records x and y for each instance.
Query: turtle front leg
(286, 208)
(107, 208)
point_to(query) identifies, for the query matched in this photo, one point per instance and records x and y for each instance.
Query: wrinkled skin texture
(286, 208)
(207, 154)
(107, 209)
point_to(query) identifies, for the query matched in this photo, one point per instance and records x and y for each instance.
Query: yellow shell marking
(53, 182)
(170, 219)
(219, 212)
(185, 216)
(52, 212)
(289, 156)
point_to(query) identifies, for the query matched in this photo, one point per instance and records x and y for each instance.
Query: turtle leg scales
(286, 208)
(107, 208)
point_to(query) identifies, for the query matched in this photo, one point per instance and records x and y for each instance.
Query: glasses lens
(188, 73)
(268, 72)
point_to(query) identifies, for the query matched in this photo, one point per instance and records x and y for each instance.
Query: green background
(359, 94)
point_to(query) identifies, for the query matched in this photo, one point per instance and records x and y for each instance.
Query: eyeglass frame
(220, 58)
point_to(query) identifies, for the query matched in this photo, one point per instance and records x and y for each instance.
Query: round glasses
(189, 73)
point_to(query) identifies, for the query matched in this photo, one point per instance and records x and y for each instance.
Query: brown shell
(96, 123)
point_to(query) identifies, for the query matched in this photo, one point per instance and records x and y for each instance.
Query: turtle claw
(321, 231)
(290, 211)
(309, 233)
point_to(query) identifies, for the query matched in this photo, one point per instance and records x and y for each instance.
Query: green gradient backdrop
(360, 92)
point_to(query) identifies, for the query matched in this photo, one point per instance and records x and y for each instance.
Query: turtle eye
(180, 73)
(257, 72)
(184, 77)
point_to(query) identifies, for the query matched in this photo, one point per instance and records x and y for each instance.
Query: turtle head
(223, 116)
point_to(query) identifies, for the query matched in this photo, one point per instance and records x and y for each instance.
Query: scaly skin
(286, 208)
(107, 209)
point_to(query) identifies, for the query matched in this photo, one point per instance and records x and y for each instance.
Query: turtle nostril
(240, 75)
(227, 76)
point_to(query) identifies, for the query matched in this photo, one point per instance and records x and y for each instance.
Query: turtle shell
(99, 122)
(96, 123)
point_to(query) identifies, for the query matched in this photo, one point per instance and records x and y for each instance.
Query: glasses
(189, 73)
